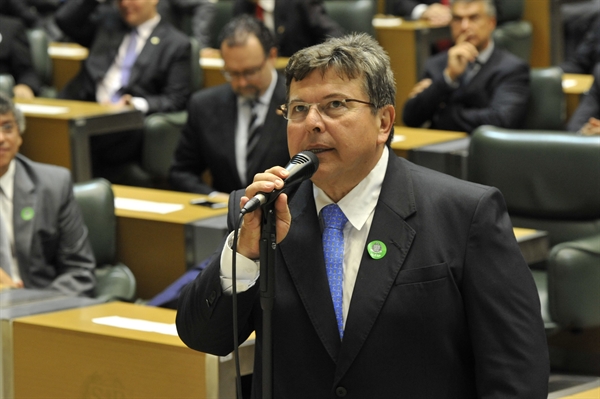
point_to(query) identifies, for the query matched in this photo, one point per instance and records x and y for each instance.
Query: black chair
(547, 107)
(353, 15)
(42, 63)
(223, 13)
(512, 33)
(115, 281)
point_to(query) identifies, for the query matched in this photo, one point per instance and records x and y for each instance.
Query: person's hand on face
(459, 57)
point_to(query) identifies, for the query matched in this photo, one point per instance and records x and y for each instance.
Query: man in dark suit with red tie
(473, 83)
(136, 58)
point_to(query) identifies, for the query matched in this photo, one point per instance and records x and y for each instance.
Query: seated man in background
(295, 24)
(473, 83)
(43, 239)
(15, 58)
(136, 59)
(436, 12)
(233, 129)
(586, 119)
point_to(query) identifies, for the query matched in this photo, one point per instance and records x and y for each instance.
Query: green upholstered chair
(223, 13)
(547, 105)
(353, 15)
(161, 130)
(42, 63)
(7, 82)
(97, 203)
(551, 182)
(512, 33)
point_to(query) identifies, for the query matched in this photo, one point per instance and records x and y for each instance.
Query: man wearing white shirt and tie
(136, 59)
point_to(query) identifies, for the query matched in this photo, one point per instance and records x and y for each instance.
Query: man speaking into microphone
(392, 280)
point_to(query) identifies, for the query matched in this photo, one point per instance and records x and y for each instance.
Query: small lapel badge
(27, 213)
(155, 40)
(376, 249)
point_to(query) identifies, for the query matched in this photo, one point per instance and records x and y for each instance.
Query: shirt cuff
(450, 82)
(247, 270)
(141, 104)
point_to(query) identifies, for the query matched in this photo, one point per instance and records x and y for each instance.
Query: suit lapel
(305, 262)
(376, 277)
(149, 52)
(24, 204)
(227, 122)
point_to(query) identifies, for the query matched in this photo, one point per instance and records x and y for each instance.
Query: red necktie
(258, 13)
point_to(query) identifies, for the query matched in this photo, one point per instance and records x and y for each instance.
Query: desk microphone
(301, 167)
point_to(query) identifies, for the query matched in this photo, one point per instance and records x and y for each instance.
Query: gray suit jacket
(451, 311)
(50, 236)
(208, 142)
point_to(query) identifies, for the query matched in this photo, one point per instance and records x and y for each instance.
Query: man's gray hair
(7, 106)
(490, 7)
(353, 56)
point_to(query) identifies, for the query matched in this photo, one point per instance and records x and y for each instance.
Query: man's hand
(271, 179)
(459, 57)
(591, 128)
(419, 87)
(23, 91)
(437, 14)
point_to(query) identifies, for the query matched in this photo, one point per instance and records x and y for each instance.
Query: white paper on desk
(212, 62)
(67, 51)
(398, 138)
(567, 83)
(383, 22)
(42, 109)
(137, 324)
(146, 206)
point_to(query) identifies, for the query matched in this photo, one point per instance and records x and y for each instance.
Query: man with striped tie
(233, 130)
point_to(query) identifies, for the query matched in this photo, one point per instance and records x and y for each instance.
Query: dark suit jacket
(404, 8)
(15, 54)
(587, 54)
(161, 73)
(497, 95)
(52, 246)
(589, 105)
(298, 23)
(451, 311)
(208, 141)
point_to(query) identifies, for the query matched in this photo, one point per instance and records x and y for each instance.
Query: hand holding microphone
(269, 187)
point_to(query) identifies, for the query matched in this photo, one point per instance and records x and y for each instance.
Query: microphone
(301, 167)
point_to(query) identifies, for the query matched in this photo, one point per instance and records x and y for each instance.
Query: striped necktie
(334, 221)
(253, 130)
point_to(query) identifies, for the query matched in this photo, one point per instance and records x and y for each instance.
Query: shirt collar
(485, 55)
(144, 30)
(265, 98)
(7, 181)
(360, 202)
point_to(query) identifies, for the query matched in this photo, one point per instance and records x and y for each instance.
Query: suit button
(211, 298)
(340, 392)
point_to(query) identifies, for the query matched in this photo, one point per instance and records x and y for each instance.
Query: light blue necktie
(128, 61)
(334, 221)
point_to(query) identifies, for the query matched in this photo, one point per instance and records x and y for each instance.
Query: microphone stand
(268, 245)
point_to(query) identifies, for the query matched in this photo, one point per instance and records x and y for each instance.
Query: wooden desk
(577, 387)
(408, 43)
(547, 45)
(66, 62)
(574, 85)
(58, 131)
(534, 244)
(212, 67)
(68, 355)
(410, 138)
(159, 248)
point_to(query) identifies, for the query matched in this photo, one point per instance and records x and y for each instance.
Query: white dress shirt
(358, 206)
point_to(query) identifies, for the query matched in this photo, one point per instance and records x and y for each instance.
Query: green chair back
(547, 104)
(353, 15)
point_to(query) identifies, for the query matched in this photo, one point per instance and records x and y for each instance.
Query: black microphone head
(302, 166)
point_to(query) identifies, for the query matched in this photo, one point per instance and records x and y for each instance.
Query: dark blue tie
(334, 221)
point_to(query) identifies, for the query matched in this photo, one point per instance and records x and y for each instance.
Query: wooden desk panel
(58, 131)
(154, 246)
(574, 85)
(66, 62)
(409, 138)
(67, 355)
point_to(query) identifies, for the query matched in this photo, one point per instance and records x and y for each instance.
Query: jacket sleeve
(21, 62)
(204, 313)
(589, 105)
(74, 18)
(75, 261)
(502, 308)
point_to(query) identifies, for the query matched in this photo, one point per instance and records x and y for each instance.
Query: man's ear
(386, 117)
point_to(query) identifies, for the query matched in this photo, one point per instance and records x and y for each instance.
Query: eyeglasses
(297, 111)
(7, 127)
(248, 74)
